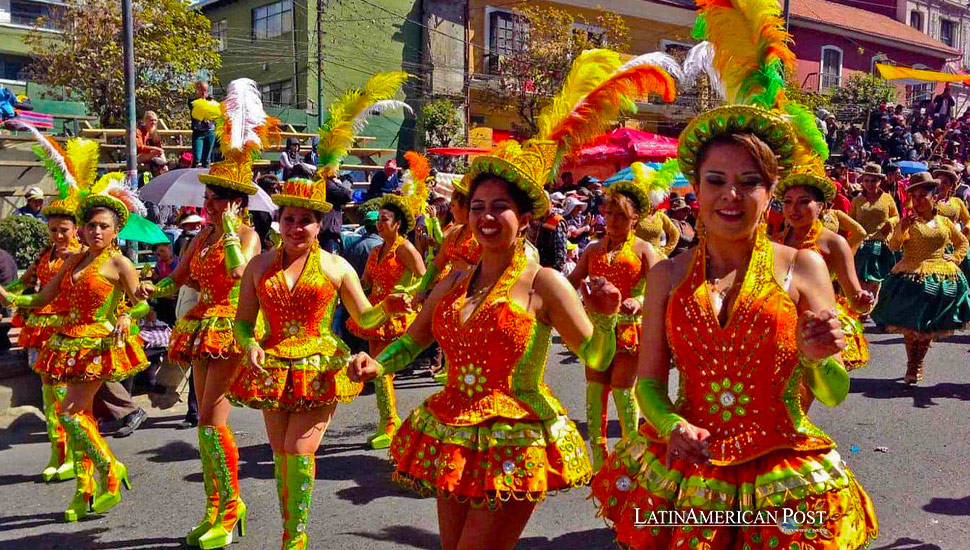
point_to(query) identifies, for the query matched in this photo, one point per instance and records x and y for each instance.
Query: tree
(544, 43)
(24, 237)
(443, 123)
(859, 95)
(173, 47)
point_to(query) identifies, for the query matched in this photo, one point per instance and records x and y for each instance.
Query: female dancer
(203, 339)
(390, 266)
(655, 224)
(839, 222)
(40, 324)
(952, 207)
(297, 372)
(925, 297)
(803, 196)
(92, 345)
(746, 322)
(876, 212)
(501, 439)
(624, 260)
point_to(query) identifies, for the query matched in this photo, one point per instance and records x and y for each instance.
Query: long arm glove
(434, 229)
(656, 406)
(25, 301)
(245, 333)
(598, 349)
(427, 281)
(398, 355)
(827, 379)
(230, 239)
(16, 287)
(373, 317)
(139, 310)
(165, 287)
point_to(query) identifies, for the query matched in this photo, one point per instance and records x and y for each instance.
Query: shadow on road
(595, 538)
(906, 543)
(89, 540)
(949, 506)
(173, 451)
(403, 535)
(923, 396)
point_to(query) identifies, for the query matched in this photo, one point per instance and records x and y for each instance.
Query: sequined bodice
(923, 250)
(92, 300)
(954, 210)
(625, 270)
(464, 248)
(384, 275)
(496, 359)
(218, 291)
(651, 228)
(296, 319)
(741, 382)
(830, 221)
(47, 269)
(873, 215)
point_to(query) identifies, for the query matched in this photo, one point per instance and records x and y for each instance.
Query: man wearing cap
(382, 183)
(190, 224)
(679, 212)
(35, 202)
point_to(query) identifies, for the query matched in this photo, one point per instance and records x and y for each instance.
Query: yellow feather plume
(415, 188)
(82, 156)
(588, 71)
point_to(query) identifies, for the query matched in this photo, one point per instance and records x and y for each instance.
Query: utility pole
(786, 13)
(128, 45)
(320, 9)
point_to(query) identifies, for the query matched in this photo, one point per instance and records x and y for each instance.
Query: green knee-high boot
(597, 396)
(211, 497)
(60, 467)
(299, 472)
(387, 408)
(220, 443)
(86, 488)
(627, 410)
(83, 430)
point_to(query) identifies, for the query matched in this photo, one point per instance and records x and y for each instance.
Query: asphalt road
(907, 446)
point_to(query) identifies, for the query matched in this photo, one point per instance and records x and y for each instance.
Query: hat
(292, 141)
(112, 192)
(677, 203)
(33, 193)
(571, 204)
(191, 218)
(372, 216)
(649, 187)
(557, 197)
(813, 176)
(598, 86)
(243, 129)
(922, 179)
(414, 192)
(948, 170)
(303, 193)
(873, 169)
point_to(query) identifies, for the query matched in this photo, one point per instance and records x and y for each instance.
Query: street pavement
(907, 446)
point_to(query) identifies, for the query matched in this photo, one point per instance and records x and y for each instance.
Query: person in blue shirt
(35, 202)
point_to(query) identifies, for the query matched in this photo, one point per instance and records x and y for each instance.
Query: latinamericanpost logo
(786, 519)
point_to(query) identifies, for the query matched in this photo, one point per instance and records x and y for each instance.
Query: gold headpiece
(810, 175)
(649, 187)
(414, 191)
(303, 193)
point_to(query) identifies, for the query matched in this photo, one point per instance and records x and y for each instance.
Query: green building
(274, 42)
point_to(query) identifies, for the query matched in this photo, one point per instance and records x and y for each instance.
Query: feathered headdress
(52, 158)
(110, 191)
(648, 188)
(303, 193)
(596, 90)
(348, 115)
(751, 54)
(243, 129)
(413, 198)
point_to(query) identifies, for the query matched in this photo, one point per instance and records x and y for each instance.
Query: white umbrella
(182, 188)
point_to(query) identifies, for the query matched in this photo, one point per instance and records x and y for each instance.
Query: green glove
(245, 333)
(139, 310)
(426, 282)
(827, 379)
(230, 239)
(656, 406)
(16, 287)
(165, 287)
(598, 349)
(25, 301)
(398, 355)
(373, 317)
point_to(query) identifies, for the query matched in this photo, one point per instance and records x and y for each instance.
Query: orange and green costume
(627, 273)
(495, 432)
(305, 364)
(742, 382)
(856, 352)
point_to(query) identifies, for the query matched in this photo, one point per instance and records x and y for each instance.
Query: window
(26, 13)
(220, 31)
(916, 20)
(919, 92)
(506, 35)
(948, 32)
(12, 66)
(273, 19)
(831, 70)
(595, 35)
(277, 93)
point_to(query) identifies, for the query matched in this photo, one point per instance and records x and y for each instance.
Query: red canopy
(625, 144)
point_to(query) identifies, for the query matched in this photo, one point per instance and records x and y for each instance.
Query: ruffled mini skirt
(928, 303)
(874, 261)
(636, 493)
(209, 338)
(37, 329)
(628, 338)
(295, 384)
(85, 359)
(492, 462)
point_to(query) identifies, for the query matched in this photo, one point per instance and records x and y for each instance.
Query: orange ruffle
(198, 340)
(65, 359)
(294, 386)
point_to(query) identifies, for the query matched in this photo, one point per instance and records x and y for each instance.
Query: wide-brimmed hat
(677, 203)
(922, 179)
(873, 169)
(191, 218)
(947, 170)
(303, 193)
(34, 193)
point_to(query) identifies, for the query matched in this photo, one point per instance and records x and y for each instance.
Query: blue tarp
(907, 167)
(627, 174)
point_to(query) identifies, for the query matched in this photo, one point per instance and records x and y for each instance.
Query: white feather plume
(360, 121)
(52, 153)
(700, 60)
(660, 59)
(118, 188)
(657, 197)
(244, 111)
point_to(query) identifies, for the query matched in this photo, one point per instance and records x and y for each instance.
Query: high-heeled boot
(921, 348)
(299, 472)
(387, 408)
(626, 410)
(83, 430)
(87, 487)
(60, 467)
(279, 472)
(597, 396)
(211, 496)
(220, 443)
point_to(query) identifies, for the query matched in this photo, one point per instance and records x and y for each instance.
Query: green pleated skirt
(874, 261)
(929, 304)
